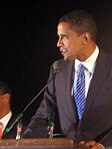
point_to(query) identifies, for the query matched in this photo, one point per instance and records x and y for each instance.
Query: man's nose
(59, 43)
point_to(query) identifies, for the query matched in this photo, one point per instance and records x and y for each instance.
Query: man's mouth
(63, 51)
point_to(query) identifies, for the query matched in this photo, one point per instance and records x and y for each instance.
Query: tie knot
(1, 125)
(1, 129)
(81, 68)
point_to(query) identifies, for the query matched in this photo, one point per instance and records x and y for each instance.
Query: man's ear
(86, 37)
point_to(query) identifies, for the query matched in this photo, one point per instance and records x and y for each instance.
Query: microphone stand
(56, 69)
(20, 115)
(52, 115)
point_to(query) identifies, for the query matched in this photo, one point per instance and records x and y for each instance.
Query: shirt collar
(90, 62)
(5, 119)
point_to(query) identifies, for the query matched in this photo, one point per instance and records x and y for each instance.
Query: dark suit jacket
(96, 122)
(13, 132)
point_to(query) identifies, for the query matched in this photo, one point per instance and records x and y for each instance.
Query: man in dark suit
(7, 118)
(77, 42)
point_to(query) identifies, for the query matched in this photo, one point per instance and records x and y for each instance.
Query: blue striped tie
(79, 90)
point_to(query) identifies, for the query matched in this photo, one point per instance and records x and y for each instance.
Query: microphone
(57, 65)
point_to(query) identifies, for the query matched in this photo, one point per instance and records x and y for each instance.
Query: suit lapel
(98, 77)
(68, 78)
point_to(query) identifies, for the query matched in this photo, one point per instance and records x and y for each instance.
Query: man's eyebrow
(62, 35)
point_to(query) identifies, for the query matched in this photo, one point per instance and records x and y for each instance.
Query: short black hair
(4, 88)
(80, 21)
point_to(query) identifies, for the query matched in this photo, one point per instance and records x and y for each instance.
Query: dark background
(28, 43)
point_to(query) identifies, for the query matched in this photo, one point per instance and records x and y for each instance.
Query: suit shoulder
(61, 62)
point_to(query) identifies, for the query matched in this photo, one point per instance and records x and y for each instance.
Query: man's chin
(68, 58)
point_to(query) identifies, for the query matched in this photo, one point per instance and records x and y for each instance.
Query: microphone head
(57, 65)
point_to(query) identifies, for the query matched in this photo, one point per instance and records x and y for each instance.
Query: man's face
(4, 102)
(69, 42)
(1, 102)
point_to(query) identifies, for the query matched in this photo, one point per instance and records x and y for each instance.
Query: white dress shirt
(90, 66)
(5, 120)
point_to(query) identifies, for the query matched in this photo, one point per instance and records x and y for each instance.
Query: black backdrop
(28, 43)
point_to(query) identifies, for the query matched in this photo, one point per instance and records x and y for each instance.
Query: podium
(54, 143)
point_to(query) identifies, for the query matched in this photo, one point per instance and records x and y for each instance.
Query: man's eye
(63, 36)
